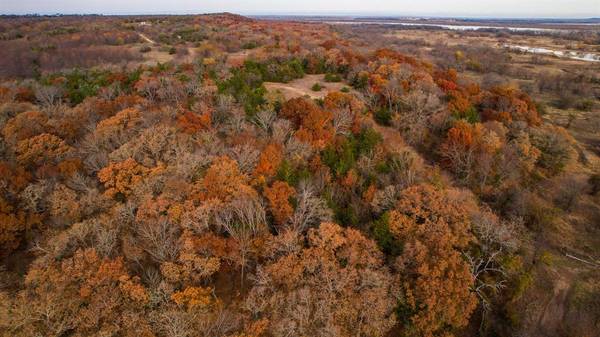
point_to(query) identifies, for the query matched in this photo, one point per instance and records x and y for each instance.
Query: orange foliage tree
(269, 162)
(339, 100)
(336, 285)
(279, 201)
(115, 130)
(11, 225)
(85, 295)
(121, 178)
(24, 125)
(470, 151)
(41, 149)
(314, 124)
(194, 298)
(436, 279)
(224, 181)
(191, 123)
(195, 262)
(507, 104)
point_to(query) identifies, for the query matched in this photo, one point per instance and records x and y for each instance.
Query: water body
(567, 54)
(450, 27)
(527, 49)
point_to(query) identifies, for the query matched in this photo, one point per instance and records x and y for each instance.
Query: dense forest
(184, 198)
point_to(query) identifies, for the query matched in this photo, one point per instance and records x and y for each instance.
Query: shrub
(585, 105)
(360, 81)
(384, 237)
(555, 148)
(329, 77)
(541, 108)
(80, 84)
(292, 175)
(345, 90)
(383, 116)
(145, 49)
(341, 157)
(316, 87)
(470, 115)
(250, 45)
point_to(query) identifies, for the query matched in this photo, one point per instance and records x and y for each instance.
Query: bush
(555, 148)
(316, 87)
(585, 105)
(292, 175)
(246, 83)
(383, 116)
(250, 45)
(275, 71)
(345, 90)
(541, 108)
(341, 157)
(172, 51)
(81, 84)
(360, 81)
(384, 237)
(145, 49)
(189, 34)
(329, 77)
(471, 115)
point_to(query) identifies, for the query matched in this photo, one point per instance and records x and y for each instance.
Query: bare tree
(281, 130)
(497, 238)
(243, 219)
(175, 323)
(385, 199)
(311, 209)
(486, 266)
(264, 119)
(159, 239)
(392, 92)
(413, 121)
(342, 121)
(49, 96)
(406, 165)
(246, 157)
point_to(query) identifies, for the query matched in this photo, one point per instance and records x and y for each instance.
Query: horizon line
(317, 14)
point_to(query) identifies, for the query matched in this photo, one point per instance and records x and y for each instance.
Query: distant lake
(444, 26)
(545, 51)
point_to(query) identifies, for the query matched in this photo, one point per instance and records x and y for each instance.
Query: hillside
(217, 175)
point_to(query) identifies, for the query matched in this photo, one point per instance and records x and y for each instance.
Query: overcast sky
(480, 8)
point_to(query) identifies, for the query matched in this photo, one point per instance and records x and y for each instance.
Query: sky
(461, 8)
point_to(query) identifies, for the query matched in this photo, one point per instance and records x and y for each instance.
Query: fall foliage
(196, 186)
(434, 229)
(279, 201)
(120, 178)
(356, 300)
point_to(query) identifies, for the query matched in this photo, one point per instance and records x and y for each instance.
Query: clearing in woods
(302, 87)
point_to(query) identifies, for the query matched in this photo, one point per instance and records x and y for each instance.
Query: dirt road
(145, 38)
